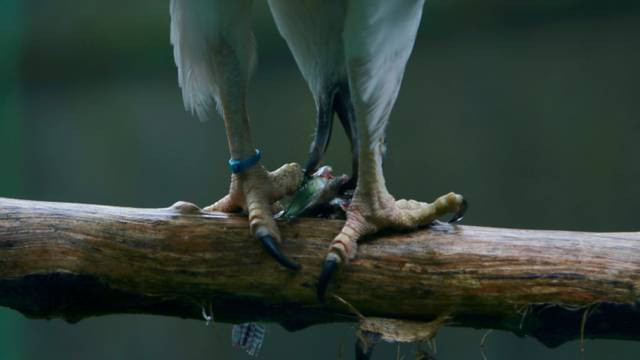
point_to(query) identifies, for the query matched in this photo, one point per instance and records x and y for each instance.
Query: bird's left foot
(254, 191)
(371, 213)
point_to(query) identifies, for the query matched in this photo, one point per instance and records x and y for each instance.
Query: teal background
(530, 109)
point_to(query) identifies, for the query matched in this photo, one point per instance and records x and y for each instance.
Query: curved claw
(457, 217)
(331, 263)
(269, 244)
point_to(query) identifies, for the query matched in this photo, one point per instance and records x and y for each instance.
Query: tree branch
(75, 260)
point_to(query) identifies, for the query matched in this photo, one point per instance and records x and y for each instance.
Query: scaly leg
(214, 51)
(253, 191)
(379, 36)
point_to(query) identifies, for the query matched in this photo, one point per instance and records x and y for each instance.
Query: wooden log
(76, 260)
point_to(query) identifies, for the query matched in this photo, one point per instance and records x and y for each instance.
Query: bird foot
(371, 213)
(255, 191)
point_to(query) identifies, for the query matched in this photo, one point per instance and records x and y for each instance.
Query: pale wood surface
(77, 260)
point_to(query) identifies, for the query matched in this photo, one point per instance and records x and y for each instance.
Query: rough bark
(76, 260)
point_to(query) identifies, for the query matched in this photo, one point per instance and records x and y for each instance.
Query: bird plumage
(379, 37)
(198, 30)
(368, 41)
(313, 31)
(364, 43)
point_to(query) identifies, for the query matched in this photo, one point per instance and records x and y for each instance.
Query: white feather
(371, 39)
(198, 29)
(379, 37)
(313, 30)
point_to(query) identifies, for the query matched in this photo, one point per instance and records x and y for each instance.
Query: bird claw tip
(269, 244)
(457, 217)
(329, 267)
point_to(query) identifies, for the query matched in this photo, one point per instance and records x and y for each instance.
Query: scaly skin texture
(374, 209)
(372, 212)
(255, 190)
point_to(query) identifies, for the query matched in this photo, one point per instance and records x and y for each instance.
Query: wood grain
(77, 260)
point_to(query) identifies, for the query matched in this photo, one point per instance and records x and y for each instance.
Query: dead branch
(75, 260)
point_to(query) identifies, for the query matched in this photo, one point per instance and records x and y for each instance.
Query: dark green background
(528, 108)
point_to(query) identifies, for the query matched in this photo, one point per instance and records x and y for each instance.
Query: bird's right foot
(254, 190)
(374, 211)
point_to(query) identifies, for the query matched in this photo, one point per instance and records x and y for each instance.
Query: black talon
(461, 211)
(328, 268)
(324, 126)
(272, 248)
(335, 98)
(347, 115)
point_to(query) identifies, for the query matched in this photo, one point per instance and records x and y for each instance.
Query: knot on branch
(186, 208)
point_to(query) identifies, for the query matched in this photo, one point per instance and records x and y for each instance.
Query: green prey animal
(319, 196)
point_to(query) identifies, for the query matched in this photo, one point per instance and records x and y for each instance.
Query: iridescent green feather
(305, 197)
(316, 193)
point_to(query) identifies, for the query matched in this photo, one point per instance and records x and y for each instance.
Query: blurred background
(529, 108)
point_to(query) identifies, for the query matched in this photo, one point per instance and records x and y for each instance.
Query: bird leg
(373, 209)
(254, 191)
(377, 49)
(214, 50)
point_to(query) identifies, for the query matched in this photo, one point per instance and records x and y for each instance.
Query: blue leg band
(238, 166)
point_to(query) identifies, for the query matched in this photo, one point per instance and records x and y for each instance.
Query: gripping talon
(269, 244)
(329, 266)
(457, 217)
